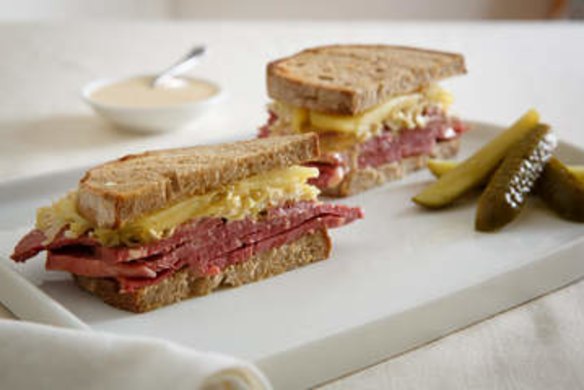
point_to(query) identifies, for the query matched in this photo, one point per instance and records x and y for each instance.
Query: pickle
(506, 192)
(577, 170)
(475, 170)
(561, 191)
(439, 168)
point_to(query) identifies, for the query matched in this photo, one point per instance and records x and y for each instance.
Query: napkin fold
(34, 356)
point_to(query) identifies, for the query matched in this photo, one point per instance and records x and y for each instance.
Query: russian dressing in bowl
(134, 104)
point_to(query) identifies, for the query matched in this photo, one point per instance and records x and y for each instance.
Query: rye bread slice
(359, 180)
(184, 284)
(134, 185)
(350, 79)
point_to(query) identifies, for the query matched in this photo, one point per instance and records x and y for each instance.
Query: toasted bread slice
(350, 79)
(184, 284)
(362, 179)
(134, 185)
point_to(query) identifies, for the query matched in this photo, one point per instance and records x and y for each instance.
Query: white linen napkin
(34, 356)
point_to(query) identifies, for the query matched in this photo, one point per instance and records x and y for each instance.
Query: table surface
(44, 126)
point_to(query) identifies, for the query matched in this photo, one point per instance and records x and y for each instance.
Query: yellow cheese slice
(405, 111)
(248, 197)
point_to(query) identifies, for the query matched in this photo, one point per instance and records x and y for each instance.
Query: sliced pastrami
(206, 245)
(209, 231)
(29, 246)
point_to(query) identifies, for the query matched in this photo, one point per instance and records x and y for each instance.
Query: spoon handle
(181, 66)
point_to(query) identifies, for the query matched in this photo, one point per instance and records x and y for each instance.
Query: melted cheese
(405, 111)
(248, 197)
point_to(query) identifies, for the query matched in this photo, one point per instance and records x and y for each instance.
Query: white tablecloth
(44, 126)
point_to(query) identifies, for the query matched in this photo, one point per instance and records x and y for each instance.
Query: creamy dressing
(138, 92)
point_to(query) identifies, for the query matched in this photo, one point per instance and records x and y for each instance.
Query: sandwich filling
(206, 233)
(246, 198)
(403, 126)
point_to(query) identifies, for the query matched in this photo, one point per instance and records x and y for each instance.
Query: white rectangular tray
(401, 277)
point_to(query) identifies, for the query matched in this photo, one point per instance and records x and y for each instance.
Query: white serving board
(399, 278)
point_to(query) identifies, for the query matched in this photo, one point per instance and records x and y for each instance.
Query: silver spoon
(181, 66)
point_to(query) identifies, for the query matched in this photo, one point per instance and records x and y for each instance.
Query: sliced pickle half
(561, 191)
(475, 170)
(507, 190)
(439, 168)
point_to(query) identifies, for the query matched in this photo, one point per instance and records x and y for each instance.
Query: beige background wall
(258, 9)
(61, 9)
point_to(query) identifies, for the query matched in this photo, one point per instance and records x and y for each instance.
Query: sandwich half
(377, 109)
(155, 228)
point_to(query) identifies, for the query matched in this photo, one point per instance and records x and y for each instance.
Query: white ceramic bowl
(150, 119)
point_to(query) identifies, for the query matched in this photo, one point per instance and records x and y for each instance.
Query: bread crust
(359, 180)
(115, 192)
(350, 79)
(311, 247)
